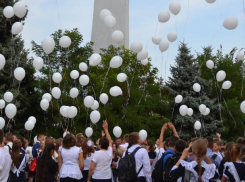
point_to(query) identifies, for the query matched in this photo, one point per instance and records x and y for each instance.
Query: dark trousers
(140, 179)
(69, 180)
(85, 176)
(101, 180)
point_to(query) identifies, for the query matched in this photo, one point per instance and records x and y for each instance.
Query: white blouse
(87, 162)
(70, 163)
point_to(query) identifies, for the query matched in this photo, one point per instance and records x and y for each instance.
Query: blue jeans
(114, 173)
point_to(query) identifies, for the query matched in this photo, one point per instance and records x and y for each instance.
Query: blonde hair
(119, 152)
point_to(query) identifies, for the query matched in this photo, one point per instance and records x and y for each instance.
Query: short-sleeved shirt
(103, 164)
(234, 171)
(5, 163)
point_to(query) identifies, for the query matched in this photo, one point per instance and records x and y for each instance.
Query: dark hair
(42, 165)
(69, 141)
(167, 142)
(210, 142)
(151, 146)
(243, 158)
(172, 141)
(180, 146)
(49, 140)
(235, 152)
(104, 143)
(126, 138)
(115, 144)
(79, 135)
(87, 150)
(58, 144)
(1, 136)
(39, 135)
(15, 154)
(22, 140)
(9, 136)
(240, 141)
(133, 138)
(80, 141)
(227, 157)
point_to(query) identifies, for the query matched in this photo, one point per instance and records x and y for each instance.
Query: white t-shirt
(103, 164)
(10, 144)
(87, 162)
(5, 164)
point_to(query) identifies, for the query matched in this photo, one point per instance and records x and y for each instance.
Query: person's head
(79, 135)
(15, 154)
(172, 141)
(40, 137)
(157, 142)
(210, 142)
(88, 148)
(215, 147)
(15, 137)
(165, 145)
(22, 140)
(49, 140)
(26, 143)
(240, 141)
(8, 137)
(48, 150)
(134, 138)
(69, 141)
(118, 141)
(220, 144)
(58, 144)
(227, 151)
(104, 143)
(126, 138)
(120, 151)
(180, 146)
(1, 137)
(150, 146)
(114, 147)
(80, 141)
(235, 152)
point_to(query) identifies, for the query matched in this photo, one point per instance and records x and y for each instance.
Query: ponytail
(235, 152)
(199, 169)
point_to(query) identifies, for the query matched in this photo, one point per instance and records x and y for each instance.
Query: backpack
(157, 173)
(126, 170)
(171, 161)
(10, 149)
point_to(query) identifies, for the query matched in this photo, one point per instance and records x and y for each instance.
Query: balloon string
(105, 112)
(30, 136)
(52, 108)
(181, 125)
(104, 80)
(18, 89)
(216, 34)
(45, 121)
(142, 93)
(173, 112)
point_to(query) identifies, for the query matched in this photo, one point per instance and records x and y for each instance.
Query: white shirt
(142, 158)
(103, 164)
(5, 164)
(70, 163)
(55, 156)
(87, 162)
(125, 146)
(10, 144)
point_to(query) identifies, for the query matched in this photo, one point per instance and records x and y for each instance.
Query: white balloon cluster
(68, 112)
(30, 123)
(107, 17)
(204, 110)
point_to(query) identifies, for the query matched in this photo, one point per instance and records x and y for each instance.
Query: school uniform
(234, 171)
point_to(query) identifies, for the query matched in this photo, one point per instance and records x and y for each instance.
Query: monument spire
(101, 35)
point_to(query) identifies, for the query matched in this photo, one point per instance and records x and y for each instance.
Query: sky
(198, 24)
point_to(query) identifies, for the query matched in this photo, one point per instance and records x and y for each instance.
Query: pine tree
(185, 73)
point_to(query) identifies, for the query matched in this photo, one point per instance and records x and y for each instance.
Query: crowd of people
(76, 158)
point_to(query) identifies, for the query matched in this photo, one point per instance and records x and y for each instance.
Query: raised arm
(164, 128)
(172, 127)
(108, 136)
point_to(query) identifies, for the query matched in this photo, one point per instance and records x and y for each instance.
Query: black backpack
(171, 161)
(157, 173)
(126, 170)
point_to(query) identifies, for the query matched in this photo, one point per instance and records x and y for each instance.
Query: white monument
(101, 35)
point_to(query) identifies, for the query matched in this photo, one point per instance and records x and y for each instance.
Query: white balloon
(2, 61)
(110, 21)
(163, 16)
(8, 97)
(240, 56)
(210, 64)
(74, 74)
(136, 47)
(74, 93)
(2, 104)
(116, 62)
(206, 112)
(230, 23)
(89, 132)
(38, 63)
(163, 46)
(65, 41)
(88, 101)
(210, 1)
(178, 99)
(202, 108)
(95, 116)
(2, 123)
(83, 66)
(104, 98)
(10, 110)
(44, 104)
(104, 13)
(197, 87)
(172, 36)
(84, 80)
(19, 73)
(190, 112)
(117, 131)
(56, 92)
(20, 9)
(115, 91)
(95, 59)
(183, 110)
(8, 12)
(48, 45)
(142, 55)
(242, 107)
(17, 27)
(174, 7)
(33, 119)
(143, 135)
(57, 77)
(72, 112)
(63, 111)
(220, 76)
(226, 85)
(117, 37)
(29, 125)
(122, 77)
(144, 62)
(95, 105)
(156, 40)
(197, 125)
(47, 96)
